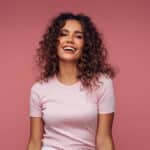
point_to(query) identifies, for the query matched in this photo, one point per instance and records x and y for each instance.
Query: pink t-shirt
(69, 113)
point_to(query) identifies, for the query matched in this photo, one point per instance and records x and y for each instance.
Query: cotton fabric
(70, 113)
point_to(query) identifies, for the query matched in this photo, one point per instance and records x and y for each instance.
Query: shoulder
(104, 80)
(40, 86)
(36, 86)
(105, 85)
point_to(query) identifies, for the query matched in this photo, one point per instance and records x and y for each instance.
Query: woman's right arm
(36, 133)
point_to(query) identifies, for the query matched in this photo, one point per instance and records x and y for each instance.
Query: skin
(104, 139)
(71, 34)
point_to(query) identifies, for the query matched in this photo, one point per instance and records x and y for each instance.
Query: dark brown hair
(92, 63)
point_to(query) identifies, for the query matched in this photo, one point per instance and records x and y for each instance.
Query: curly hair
(93, 62)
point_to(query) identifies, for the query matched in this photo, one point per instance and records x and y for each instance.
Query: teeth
(69, 48)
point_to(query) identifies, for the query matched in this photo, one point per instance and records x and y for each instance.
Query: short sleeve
(35, 106)
(106, 98)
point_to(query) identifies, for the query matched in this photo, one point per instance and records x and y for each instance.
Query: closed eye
(63, 34)
(79, 36)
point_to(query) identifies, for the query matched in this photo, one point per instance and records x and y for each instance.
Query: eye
(62, 34)
(79, 36)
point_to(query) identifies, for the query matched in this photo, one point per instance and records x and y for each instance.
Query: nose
(70, 39)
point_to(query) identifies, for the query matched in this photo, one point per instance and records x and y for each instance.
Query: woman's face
(70, 41)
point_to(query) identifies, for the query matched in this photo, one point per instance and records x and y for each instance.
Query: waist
(71, 148)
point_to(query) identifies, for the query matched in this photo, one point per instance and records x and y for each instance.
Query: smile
(68, 48)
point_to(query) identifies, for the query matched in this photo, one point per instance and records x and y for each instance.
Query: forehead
(72, 25)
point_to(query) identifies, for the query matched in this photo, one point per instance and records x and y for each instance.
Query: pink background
(126, 28)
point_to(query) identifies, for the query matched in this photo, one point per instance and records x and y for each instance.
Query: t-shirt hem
(106, 112)
(35, 115)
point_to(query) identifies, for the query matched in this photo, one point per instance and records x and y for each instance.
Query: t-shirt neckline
(66, 85)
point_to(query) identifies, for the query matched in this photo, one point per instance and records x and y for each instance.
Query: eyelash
(78, 36)
(62, 34)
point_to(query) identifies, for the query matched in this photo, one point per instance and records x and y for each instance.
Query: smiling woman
(72, 103)
(70, 40)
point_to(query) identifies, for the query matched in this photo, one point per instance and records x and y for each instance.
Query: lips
(69, 48)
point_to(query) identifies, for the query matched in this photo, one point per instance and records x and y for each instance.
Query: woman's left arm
(104, 138)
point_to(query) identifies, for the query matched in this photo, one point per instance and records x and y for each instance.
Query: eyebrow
(75, 31)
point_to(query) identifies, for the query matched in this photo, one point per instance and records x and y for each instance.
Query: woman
(72, 104)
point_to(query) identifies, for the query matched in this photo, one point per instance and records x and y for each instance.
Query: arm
(36, 133)
(104, 139)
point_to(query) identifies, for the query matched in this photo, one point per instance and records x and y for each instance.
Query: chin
(68, 59)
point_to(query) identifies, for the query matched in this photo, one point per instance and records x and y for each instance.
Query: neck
(67, 72)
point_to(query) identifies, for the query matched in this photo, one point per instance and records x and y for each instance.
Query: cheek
(80, 43)
(59, 44)
(60, 41)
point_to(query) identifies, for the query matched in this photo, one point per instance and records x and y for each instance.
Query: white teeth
(69, 48)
